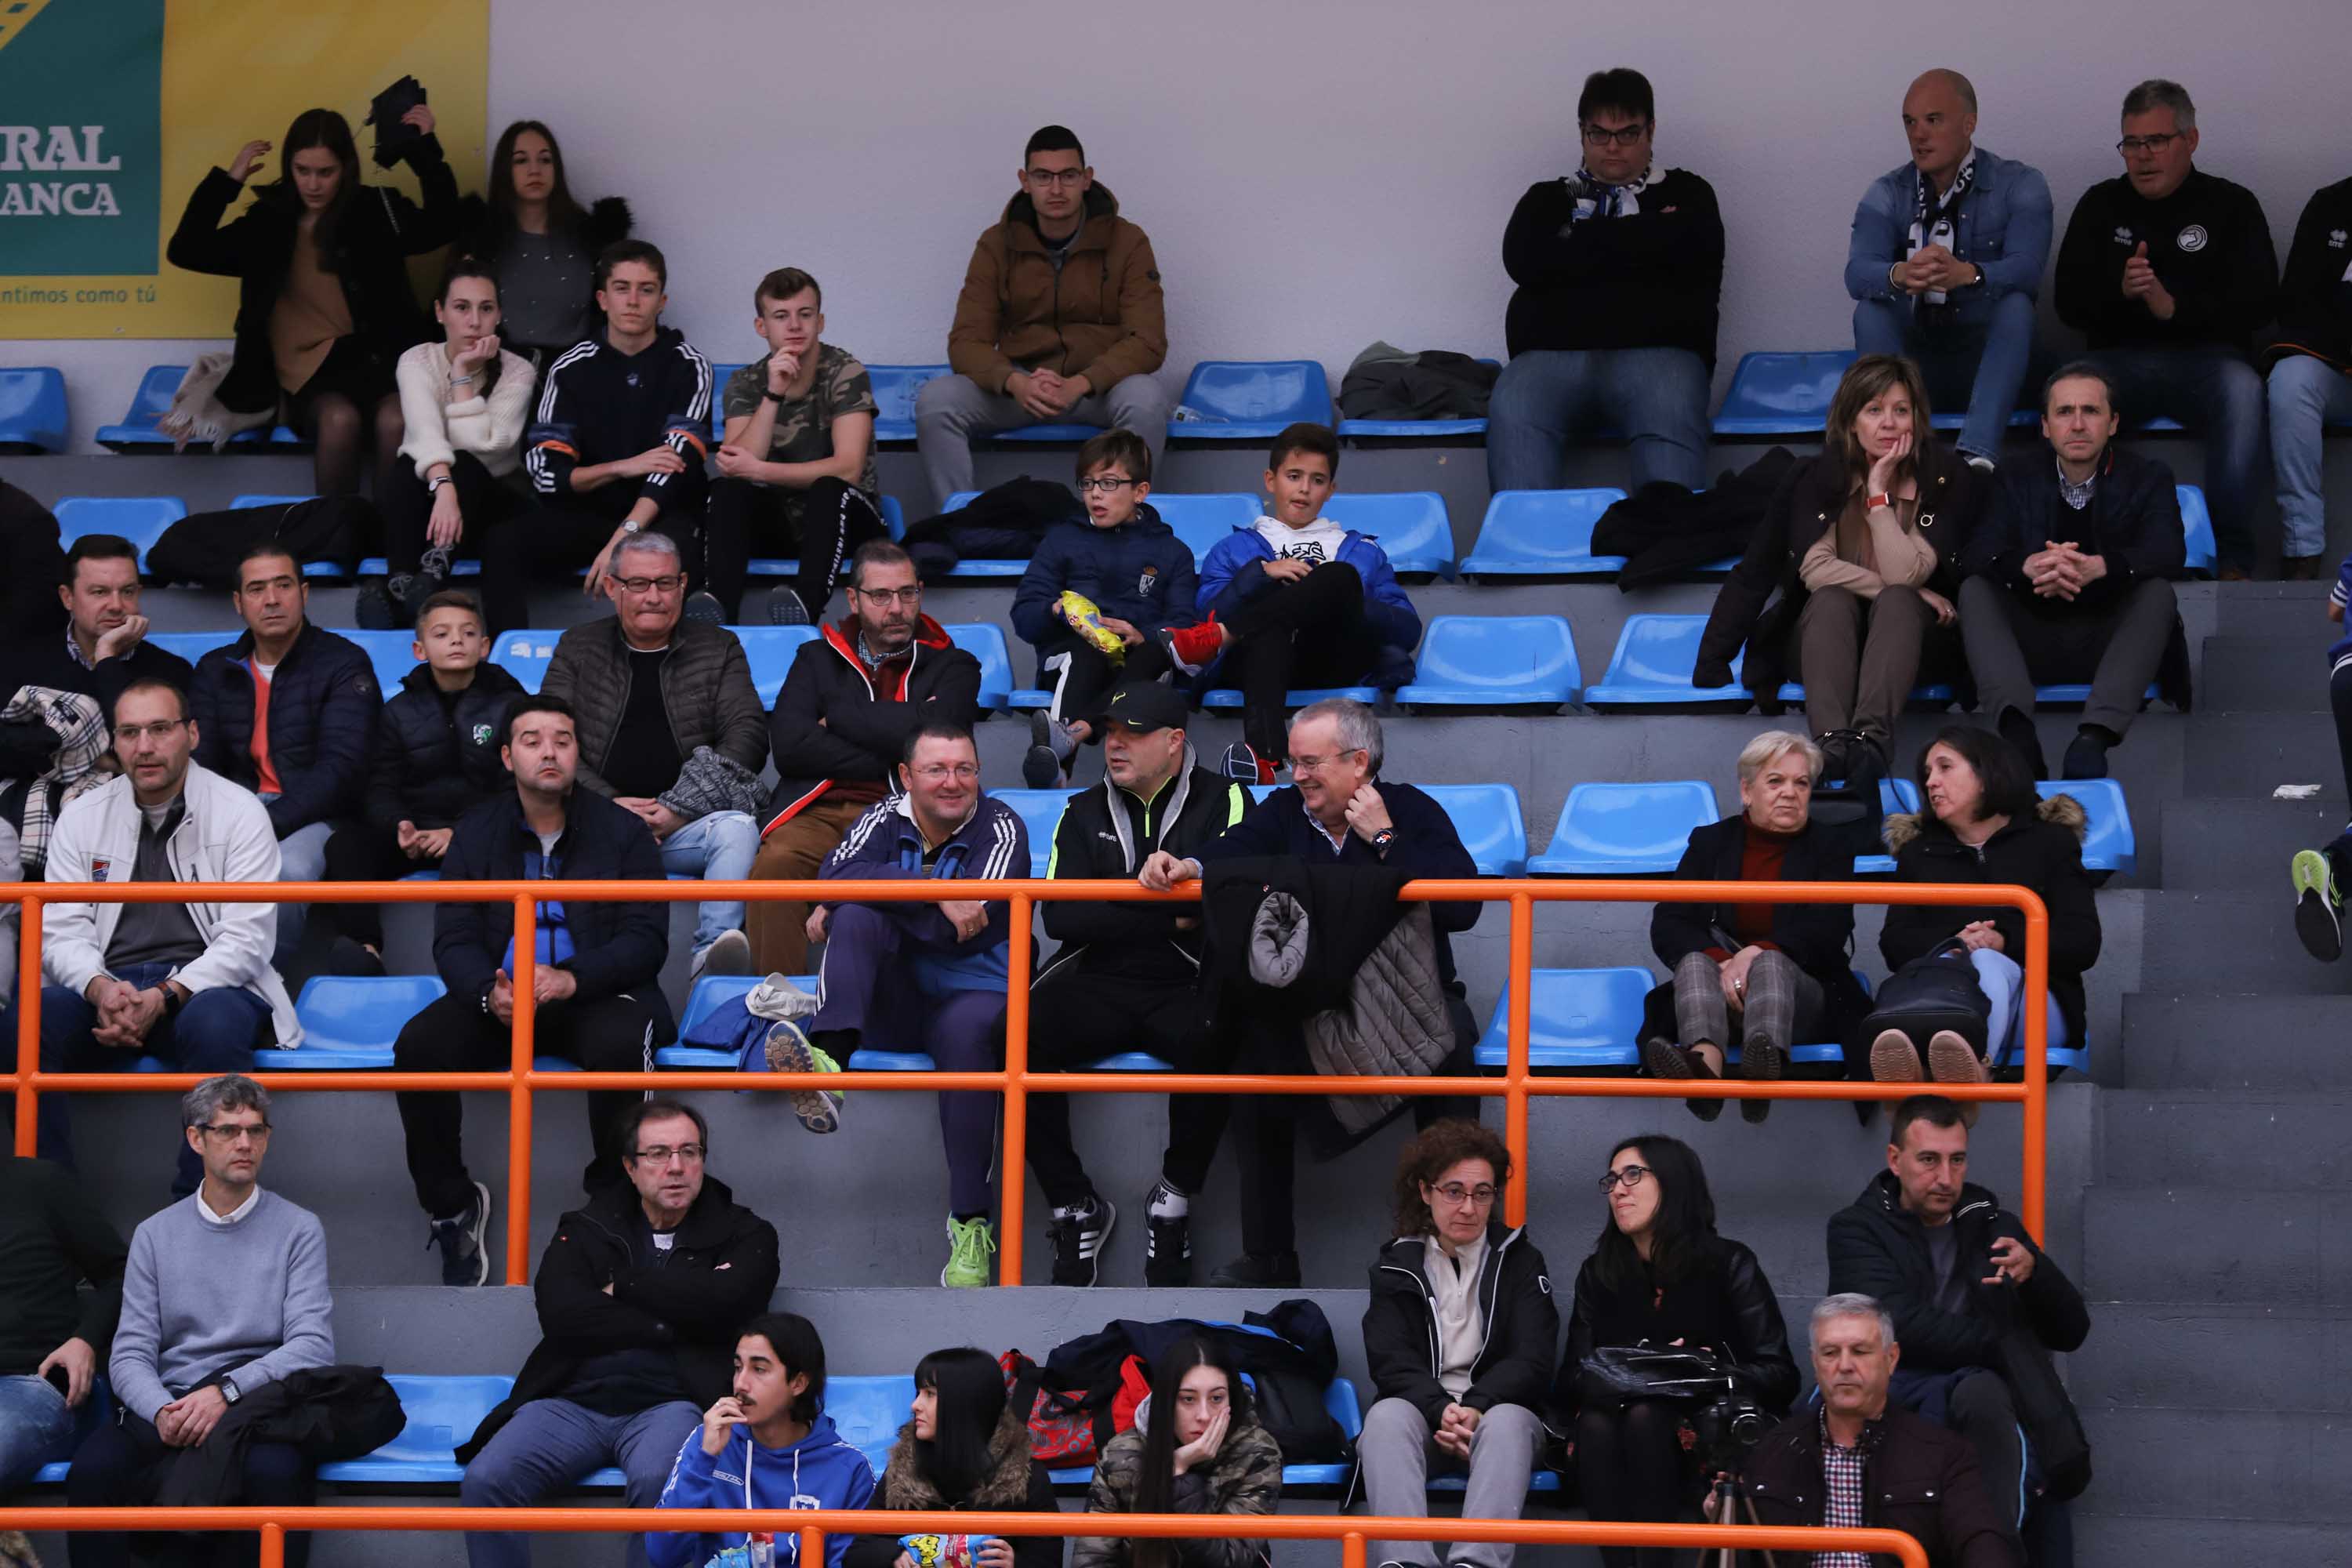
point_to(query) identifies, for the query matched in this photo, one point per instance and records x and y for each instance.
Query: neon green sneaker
(970, 1241)
(2318, 905)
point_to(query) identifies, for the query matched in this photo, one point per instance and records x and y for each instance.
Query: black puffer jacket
(324, 706)
(1516, 1363)
(1916, 1478)
(438, 754)
(1805, 506)
(2043, 853)
(1105, 832)
(1724, 1304)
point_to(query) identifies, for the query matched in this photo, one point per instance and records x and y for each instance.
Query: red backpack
(1067, 1426)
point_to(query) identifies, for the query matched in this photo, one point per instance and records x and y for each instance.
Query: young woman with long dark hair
(541, 244)
(1197, 1448)
(964, 1448)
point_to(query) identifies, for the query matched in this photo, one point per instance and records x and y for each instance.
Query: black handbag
(2047, 1413)
(1931, 993)
(1620, 1374)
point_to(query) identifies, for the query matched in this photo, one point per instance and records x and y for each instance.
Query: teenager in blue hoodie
(768, 1444)
(2320, 874)
(1294, 600)
(1135, 571)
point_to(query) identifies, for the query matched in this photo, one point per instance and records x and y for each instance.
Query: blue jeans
(1657, 396)
(215, 1033)
(552, 1444)
(2215, 392)
(2003, 984)
(718, 847)
(2306, 395)
(302, 858)
(1980, 363)
(37, 1428)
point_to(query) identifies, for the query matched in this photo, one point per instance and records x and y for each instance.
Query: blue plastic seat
(349, 1020)
(1228, 697)
(1411, 527)
(891, 1061)
(1542, 534)
(1494, 661)
(1414, 429)
(526, 654)
(1040, 434)
(1486, 819)
(996, 567)
(1626, 829)
(895, 386)
(53, 1474)
(136, 431)
(710, 993)
(1040, 811)
(392, 653)
(191, 646)
(868, 1411)
(443, 1412)
(1202, 520)
(32, 409)
(2196, 529)
(1894, 795)
(2108, 843)
(1651, 667)
(1781, 394)
(720, 375)
(770, 650)
(1577, 1019)
(984, 640)
(1250, 400)
(141, 520)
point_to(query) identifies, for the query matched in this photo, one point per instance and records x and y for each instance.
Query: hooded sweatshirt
(820, 1471)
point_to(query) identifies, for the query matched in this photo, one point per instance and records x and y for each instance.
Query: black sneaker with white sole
(1042, 766)
(1168, 1251)
(1077, 1238)
(464, 1259)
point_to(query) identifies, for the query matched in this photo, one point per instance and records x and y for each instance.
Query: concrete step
(2201, 1245)
(2241, 754)
(2273, 673)
(2235, 942)
(2247, 1358)
(2235, 1040)
(2139, 1540)
(2272, 1139)
(2278, 1467)
(2241, 844)
(2259, 609)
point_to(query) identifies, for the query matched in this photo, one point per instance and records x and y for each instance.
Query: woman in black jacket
(1780, 969)
(1863, 546)
(1460, 1334)
(325, 308)
(1985, 823)
(965, 1450)
(541, 244)
(1661, 1276)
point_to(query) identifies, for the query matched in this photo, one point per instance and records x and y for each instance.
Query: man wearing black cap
(1125, 978)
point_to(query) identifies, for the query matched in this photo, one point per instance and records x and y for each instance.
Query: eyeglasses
(1454, 1192)
(648, 584)
(910, 595)
(2133, 146)
(1317, 765)
(230, 1131)
(1631, 1175)
(159, 730)
(1103, 486)
(1055, 176)
(939, 773)
(662, 1153)
(1617, 136)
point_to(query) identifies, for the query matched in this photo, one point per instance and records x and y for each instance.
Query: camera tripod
(1725, 1506)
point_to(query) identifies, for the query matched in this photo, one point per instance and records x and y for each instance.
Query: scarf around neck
(1932, 217)
(1595, 199)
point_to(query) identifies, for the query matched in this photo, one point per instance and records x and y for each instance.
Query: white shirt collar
(234, 1216)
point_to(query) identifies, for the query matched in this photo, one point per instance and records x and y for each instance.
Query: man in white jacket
(189, 983)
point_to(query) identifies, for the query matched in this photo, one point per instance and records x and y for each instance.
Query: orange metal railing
(1514, 1086)
(1352, 1533)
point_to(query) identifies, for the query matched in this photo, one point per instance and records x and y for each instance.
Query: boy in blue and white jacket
(2320, 874)
(1294, 600)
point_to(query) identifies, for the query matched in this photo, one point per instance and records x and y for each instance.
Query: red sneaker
(1194, 648)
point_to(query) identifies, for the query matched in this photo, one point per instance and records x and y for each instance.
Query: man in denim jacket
(1946, 260)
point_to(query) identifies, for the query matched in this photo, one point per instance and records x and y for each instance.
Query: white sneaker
(729, 953)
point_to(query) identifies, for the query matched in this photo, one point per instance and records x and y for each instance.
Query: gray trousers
(1782, 1000)
(1396, 1454)
(950, 410)
(1857, 679)
(2015, 641)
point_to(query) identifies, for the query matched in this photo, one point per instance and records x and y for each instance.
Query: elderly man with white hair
(1761, 976)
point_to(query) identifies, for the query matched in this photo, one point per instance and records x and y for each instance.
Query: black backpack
(205, 547)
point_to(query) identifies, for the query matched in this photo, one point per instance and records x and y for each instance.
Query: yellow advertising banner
(111, 110)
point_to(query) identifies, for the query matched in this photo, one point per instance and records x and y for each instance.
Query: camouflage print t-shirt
(804, 431)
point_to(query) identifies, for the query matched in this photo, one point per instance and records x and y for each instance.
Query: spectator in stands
(839, 730)
(1611, 328)
(1060, 320)
(929, 975)
(104, 649)
(1127, 977)
(1985, 823)
(2167, 271)
(643, 1298)
(670, 729)
(1781, 970)
(1096, 598)
(30, 560)
(325, 308)
(797, 467)
(2069, 577)
(594, 970)
(463, 400)
(1294, 600)
(542, 245)
(1862, 544)
(617, 440)
(2311, 370)
(1862, 1462)
(791, 1453)
(439, 755)
(1197, 1448)
(288, 711)
(966, 1449)
(1958, 1275)
(1946, 259)
(188, 983)
(225, 1292)
(1462, 1339)
(1659, 1275)
(2321, 875)
(1340, 811)
(53, 1339)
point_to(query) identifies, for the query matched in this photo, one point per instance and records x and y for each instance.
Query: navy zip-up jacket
(1140, 572)
(323, 708)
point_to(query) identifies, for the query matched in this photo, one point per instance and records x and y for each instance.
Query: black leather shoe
(1254, 1270)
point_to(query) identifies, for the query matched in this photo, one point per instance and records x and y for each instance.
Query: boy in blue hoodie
(1294, 600)
(1137, 574)
(765, 1445)
(2320, 874)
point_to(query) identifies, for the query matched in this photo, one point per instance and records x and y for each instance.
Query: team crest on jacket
(482, 733)
(2336, 237)
(2192, 239)
(98, 867)
(1145, 579)
(2122, 233)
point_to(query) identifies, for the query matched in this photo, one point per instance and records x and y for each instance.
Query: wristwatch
(229, 1391)
(632, 526)
(172, 1001)
(1882, 498)
(433, 486)
(1382, 839)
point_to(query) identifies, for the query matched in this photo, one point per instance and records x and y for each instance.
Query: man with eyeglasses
(225, 1292)
(1612, 328)
(641, 1295)
(189, 985)
(839, 730)
(596, 967)
(928, 976)
(1061, 320)
(670, 729)
(2167, 271)
(1947, 259)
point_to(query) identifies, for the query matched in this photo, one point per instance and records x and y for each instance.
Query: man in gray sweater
(225, 1292)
